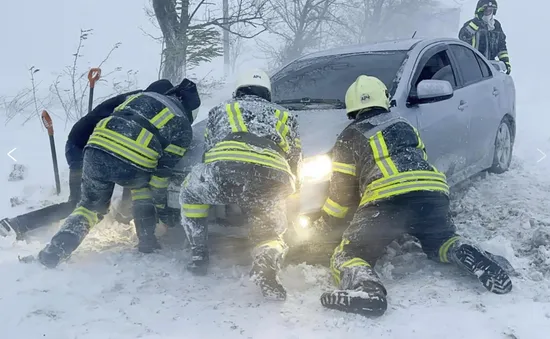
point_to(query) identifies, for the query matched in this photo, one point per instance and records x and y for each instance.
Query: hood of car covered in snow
(318, 131)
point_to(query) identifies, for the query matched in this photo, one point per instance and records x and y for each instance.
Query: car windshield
(328, 78)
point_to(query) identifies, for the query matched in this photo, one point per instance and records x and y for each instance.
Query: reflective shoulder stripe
(172, 106)
(174, 149)
(103, 122)
(144, 137)
(235, 118)
(127, 101)
(335, 209)
(473, 25)
(344, 168)
(162, 118)
(382, 156)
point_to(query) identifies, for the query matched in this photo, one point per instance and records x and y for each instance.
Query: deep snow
(107, 290)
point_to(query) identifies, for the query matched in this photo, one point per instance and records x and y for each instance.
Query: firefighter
(252, 159)
(485, 33)
(74, 154)
(135, 147)
(380, 167)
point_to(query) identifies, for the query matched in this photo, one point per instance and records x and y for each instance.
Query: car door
(442, 125)
(479, 93)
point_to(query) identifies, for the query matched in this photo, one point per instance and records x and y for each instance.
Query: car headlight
(316, 169)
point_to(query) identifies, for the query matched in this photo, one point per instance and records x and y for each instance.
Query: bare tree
(190, 39)
(298, 26)
(368, 21)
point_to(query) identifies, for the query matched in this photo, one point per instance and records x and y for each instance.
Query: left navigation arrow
(9, 155)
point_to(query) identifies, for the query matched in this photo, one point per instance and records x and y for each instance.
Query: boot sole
(362, 303)
(493, 277)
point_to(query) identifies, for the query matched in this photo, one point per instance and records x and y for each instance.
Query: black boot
(145, 230)
(61, 247)
(265, 269)
(361, 292)
(483, 265)
(200, 260)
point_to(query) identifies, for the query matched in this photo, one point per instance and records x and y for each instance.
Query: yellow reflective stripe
(473, 25)
(474, 41)
(158, 182)
(174, 149)
(421, 145)
(282, 128)
(344, 168)
(275, 244)
(90, 216)
(239, 116)
(206, 133)
(298, 143)
(127, 101)
(195, 211)
(160, 206)
(334, 270)
(162, 118)
(406, 176)
(382, 156)
(403, 188)
(503, 55)
(444, 249)
(125, 141)
(354, 263)
(124, 152)
(141, 194)
(235, 118)
(250, 157)
(229, 145)
(144, 137)
(103, 122)
(334, 209)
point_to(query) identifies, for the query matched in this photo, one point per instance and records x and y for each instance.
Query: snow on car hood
(319, 129)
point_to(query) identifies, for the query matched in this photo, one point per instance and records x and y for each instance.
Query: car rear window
(329, 77)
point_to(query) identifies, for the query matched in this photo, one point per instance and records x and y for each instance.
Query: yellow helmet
(366, 92)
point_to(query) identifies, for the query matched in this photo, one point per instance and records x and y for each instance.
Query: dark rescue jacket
(254, 131)
(378, 156)
(149, 131)
(492, 44)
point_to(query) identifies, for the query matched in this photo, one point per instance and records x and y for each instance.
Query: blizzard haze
(107, 290)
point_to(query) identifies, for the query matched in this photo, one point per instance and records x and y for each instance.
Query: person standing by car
(136, 147)
(252, 159)
(380, 166)
(485, 33)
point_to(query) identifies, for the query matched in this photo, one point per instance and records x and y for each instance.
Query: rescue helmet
(366, 92)
(483, 5)
(253, 82)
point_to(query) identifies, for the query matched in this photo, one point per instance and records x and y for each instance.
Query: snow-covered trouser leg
(145, 219)
(431, 222)
(94, 204)
(359, 288)
(198, 186)
(268, 222)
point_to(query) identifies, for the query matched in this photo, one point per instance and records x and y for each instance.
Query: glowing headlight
(303, 221)
(317, 168)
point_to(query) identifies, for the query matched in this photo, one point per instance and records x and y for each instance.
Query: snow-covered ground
(108, 290)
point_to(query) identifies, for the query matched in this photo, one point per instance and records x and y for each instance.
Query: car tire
(504, 144)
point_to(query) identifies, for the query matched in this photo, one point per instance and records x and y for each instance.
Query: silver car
(463, 105)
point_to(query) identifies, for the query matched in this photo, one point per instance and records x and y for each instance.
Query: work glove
(508, 68)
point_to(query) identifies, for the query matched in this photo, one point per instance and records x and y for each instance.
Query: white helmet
(254, 78)
(366, 92)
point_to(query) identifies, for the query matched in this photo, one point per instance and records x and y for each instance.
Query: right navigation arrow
(543, 155)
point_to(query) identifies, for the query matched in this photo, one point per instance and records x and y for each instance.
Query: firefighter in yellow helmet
(252, 159)
(380, 168)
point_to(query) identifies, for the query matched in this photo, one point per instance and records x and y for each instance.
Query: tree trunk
(226, 58)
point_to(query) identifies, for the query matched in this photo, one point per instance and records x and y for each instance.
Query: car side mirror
(431, 91)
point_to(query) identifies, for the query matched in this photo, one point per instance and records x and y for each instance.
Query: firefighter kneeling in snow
(137, 148)
(252, 159)
(380, 165)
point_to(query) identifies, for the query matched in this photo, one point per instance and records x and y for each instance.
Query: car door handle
(495, 91)
(463, 105)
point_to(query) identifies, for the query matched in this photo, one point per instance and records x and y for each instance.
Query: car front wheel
(503, 148)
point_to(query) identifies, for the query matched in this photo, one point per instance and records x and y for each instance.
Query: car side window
(485, 70)
(438, 67)
(469, 67)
